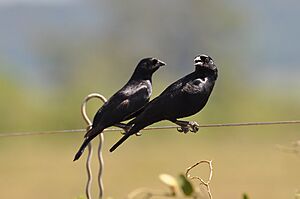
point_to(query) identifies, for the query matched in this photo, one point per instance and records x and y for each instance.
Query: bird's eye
(154, 61)
(207, 60)
(197, 81)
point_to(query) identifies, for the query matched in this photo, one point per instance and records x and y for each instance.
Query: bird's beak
(199, 63)
(160, 63)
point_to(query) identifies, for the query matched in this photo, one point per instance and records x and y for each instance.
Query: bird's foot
(191, 126)
(125, 127)
(194, 126)
(183, 129)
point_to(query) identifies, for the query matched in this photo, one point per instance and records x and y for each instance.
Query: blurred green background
(55, 52)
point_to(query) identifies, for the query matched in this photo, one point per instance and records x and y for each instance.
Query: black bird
(183, 98)
(125, 103)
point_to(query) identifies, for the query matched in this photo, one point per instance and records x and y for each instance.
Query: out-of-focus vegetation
(67, 56)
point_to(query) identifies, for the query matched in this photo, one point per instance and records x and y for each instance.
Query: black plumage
(183, 98)
(125, 103)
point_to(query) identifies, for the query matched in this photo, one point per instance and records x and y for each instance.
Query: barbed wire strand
(241, 124)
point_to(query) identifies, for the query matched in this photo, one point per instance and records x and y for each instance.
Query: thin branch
(202, 182)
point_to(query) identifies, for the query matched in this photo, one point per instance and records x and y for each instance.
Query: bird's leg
(123, 126)
(126, 128)
(186, 126)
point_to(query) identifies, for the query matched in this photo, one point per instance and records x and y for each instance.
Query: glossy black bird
(183, 98)
(124, 104)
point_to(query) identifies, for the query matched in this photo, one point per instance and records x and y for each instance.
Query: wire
(288, 122)
(100, 157)
(13, 134)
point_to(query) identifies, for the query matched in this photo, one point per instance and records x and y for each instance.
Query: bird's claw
(138, 134)
(183, 129)
(194, 126)
(125, 129)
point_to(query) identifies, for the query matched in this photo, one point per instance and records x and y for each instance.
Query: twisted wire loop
(90, 150)
(202, 182)
(89, 172)
(101, 165)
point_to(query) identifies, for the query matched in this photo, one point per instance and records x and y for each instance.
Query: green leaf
(245, 196)
(185, 185)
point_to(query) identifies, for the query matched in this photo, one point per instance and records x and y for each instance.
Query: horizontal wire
(13, 134)
(289, 122)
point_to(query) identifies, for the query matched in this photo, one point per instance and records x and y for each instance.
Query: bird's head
(148, 66)
(204, 62)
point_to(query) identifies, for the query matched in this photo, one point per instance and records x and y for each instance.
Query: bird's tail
(91, 134)
(83, 146)
(127, 135)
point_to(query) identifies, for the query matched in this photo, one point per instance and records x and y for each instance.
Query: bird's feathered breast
(134, 88)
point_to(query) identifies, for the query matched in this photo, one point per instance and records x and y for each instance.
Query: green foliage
(245, 196)
(178, 185)
(186, 186)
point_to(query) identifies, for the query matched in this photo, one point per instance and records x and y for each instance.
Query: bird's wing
(172, 100)
(156, 108)
(123, 104)
(175, 89)
(180, 85)
(136, 113)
